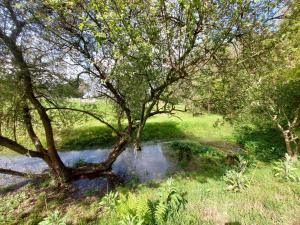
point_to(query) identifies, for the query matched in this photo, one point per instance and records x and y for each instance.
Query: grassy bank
(267, 200)
(92, 134)
(183, 126)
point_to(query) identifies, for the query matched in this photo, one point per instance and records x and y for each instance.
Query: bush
(265, 144)
(190, 147)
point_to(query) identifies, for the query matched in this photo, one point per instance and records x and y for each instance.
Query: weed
(236, 179)
(284, 169)
(53, 219)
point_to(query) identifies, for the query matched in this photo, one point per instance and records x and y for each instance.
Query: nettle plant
(285, 169)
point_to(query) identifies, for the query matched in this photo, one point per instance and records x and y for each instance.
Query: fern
(110, 201)
(131, 219)
(159, 211)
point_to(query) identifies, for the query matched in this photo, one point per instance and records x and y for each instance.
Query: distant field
(84, 132)
(163, 127)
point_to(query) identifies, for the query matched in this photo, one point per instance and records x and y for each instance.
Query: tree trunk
(137, 141)
(59, 169)
(291, 150)
(103, 167)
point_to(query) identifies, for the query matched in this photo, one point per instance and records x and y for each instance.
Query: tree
(21, 73)
(264, 88)
(136, 52)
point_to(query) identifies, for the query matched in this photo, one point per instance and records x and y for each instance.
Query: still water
(152, 163)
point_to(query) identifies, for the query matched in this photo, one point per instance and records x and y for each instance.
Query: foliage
(131, 219)
(158, 211)
(163, 210)
(53, 218)
(285, 169)
(269, 200)
(236, 179)
(190, 147)
(110, 201)
(78, 163)
(261, 143)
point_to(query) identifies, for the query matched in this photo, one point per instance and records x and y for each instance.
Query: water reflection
(148, 164)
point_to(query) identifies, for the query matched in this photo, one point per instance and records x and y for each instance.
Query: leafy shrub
(266, 144)
(190, 147)
(78, 163)
(284, 169)
(53, 219)
(236, 179)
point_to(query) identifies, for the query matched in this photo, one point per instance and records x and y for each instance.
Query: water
(149, 164)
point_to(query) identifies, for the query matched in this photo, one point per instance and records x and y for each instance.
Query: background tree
(263, 86)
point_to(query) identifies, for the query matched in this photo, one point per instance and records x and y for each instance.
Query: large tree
(136, 52)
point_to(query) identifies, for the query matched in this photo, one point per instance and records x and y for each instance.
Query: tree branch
(16, 147)
(97, 117)
(17, 173)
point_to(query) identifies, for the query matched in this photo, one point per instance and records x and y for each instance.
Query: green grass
(92, 134)
(160, 128)
(266, 201)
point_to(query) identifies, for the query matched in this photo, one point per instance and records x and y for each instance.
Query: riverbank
(266, 200)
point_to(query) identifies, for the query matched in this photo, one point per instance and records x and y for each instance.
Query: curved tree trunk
(103, 167)
(24, 74)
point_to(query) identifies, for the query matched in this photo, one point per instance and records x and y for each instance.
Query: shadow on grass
(198, 161)
(202, 169)
(86, 137)
(266, 145)
(100, 136)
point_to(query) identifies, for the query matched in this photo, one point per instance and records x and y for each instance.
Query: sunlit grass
(266, 201)
(160, 128)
